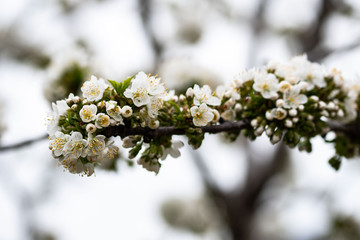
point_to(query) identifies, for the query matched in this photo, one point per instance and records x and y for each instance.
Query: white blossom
(150, 165)
(173, 150)
(278, 113)
(204, 95)
(108, 155)
(244, 76)
(88, 113)
(102, 120)
(58, 142)
(75, 147)
(202, 115)
(266, 84)
(156, 87)
(155, 104)
(114, 111)
(139, 90)
(95, 145)
(93, 90)
(293, 98)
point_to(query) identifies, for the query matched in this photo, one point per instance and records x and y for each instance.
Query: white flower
(204, 95)
(150, 165)
(156, 87)
(129, 141)
(201, 115)
(88, 113)
(266, 84)
(284, 86)
(139, 90)
(244, 76)
(61, 107)
(300, 69)
(292, 98)
(114, 110)
(173, 150)
(76, 145)
(314, 76)
(278, 113)
(72, 164)
(154, 106)
(96, 145)
(102, 120)
(126, 111)
(228, 92)
(94, 89)
(108, 155)
(57, 144)
(88, 169)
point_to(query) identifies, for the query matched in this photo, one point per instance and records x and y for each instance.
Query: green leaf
(335, 162)
(126, 84)
(122, 86)
(115, 85)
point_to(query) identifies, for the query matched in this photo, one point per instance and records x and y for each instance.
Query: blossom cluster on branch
(292, 101)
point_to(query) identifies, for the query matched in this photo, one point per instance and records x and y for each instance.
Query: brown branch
(23, 143)
(124, 131)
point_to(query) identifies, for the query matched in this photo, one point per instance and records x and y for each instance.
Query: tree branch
(351, 130)
(23, 143)
(123, 131)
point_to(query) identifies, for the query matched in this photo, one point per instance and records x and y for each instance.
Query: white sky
(125, 204)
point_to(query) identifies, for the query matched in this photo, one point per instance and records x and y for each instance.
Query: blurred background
(225, 191)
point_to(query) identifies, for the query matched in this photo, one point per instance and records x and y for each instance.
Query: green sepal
(176, 107)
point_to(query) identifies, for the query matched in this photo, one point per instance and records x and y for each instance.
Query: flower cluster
(293, 102)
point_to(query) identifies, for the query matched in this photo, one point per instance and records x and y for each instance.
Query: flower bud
(325, 113)
(182, 98)
(216, 116)
(340, 113)
(288, 123)
(154, 124)
(331, 106)
(259, 131)
(279, 103)
(314, 98)
(268, 115)
(74, 107)
(189, 92)
(254, 123)
(293, 112)
(276, 137)
(238, 107)
(322, 105)
(126, 111)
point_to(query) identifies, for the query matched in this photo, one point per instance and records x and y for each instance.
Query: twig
(23, 143)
